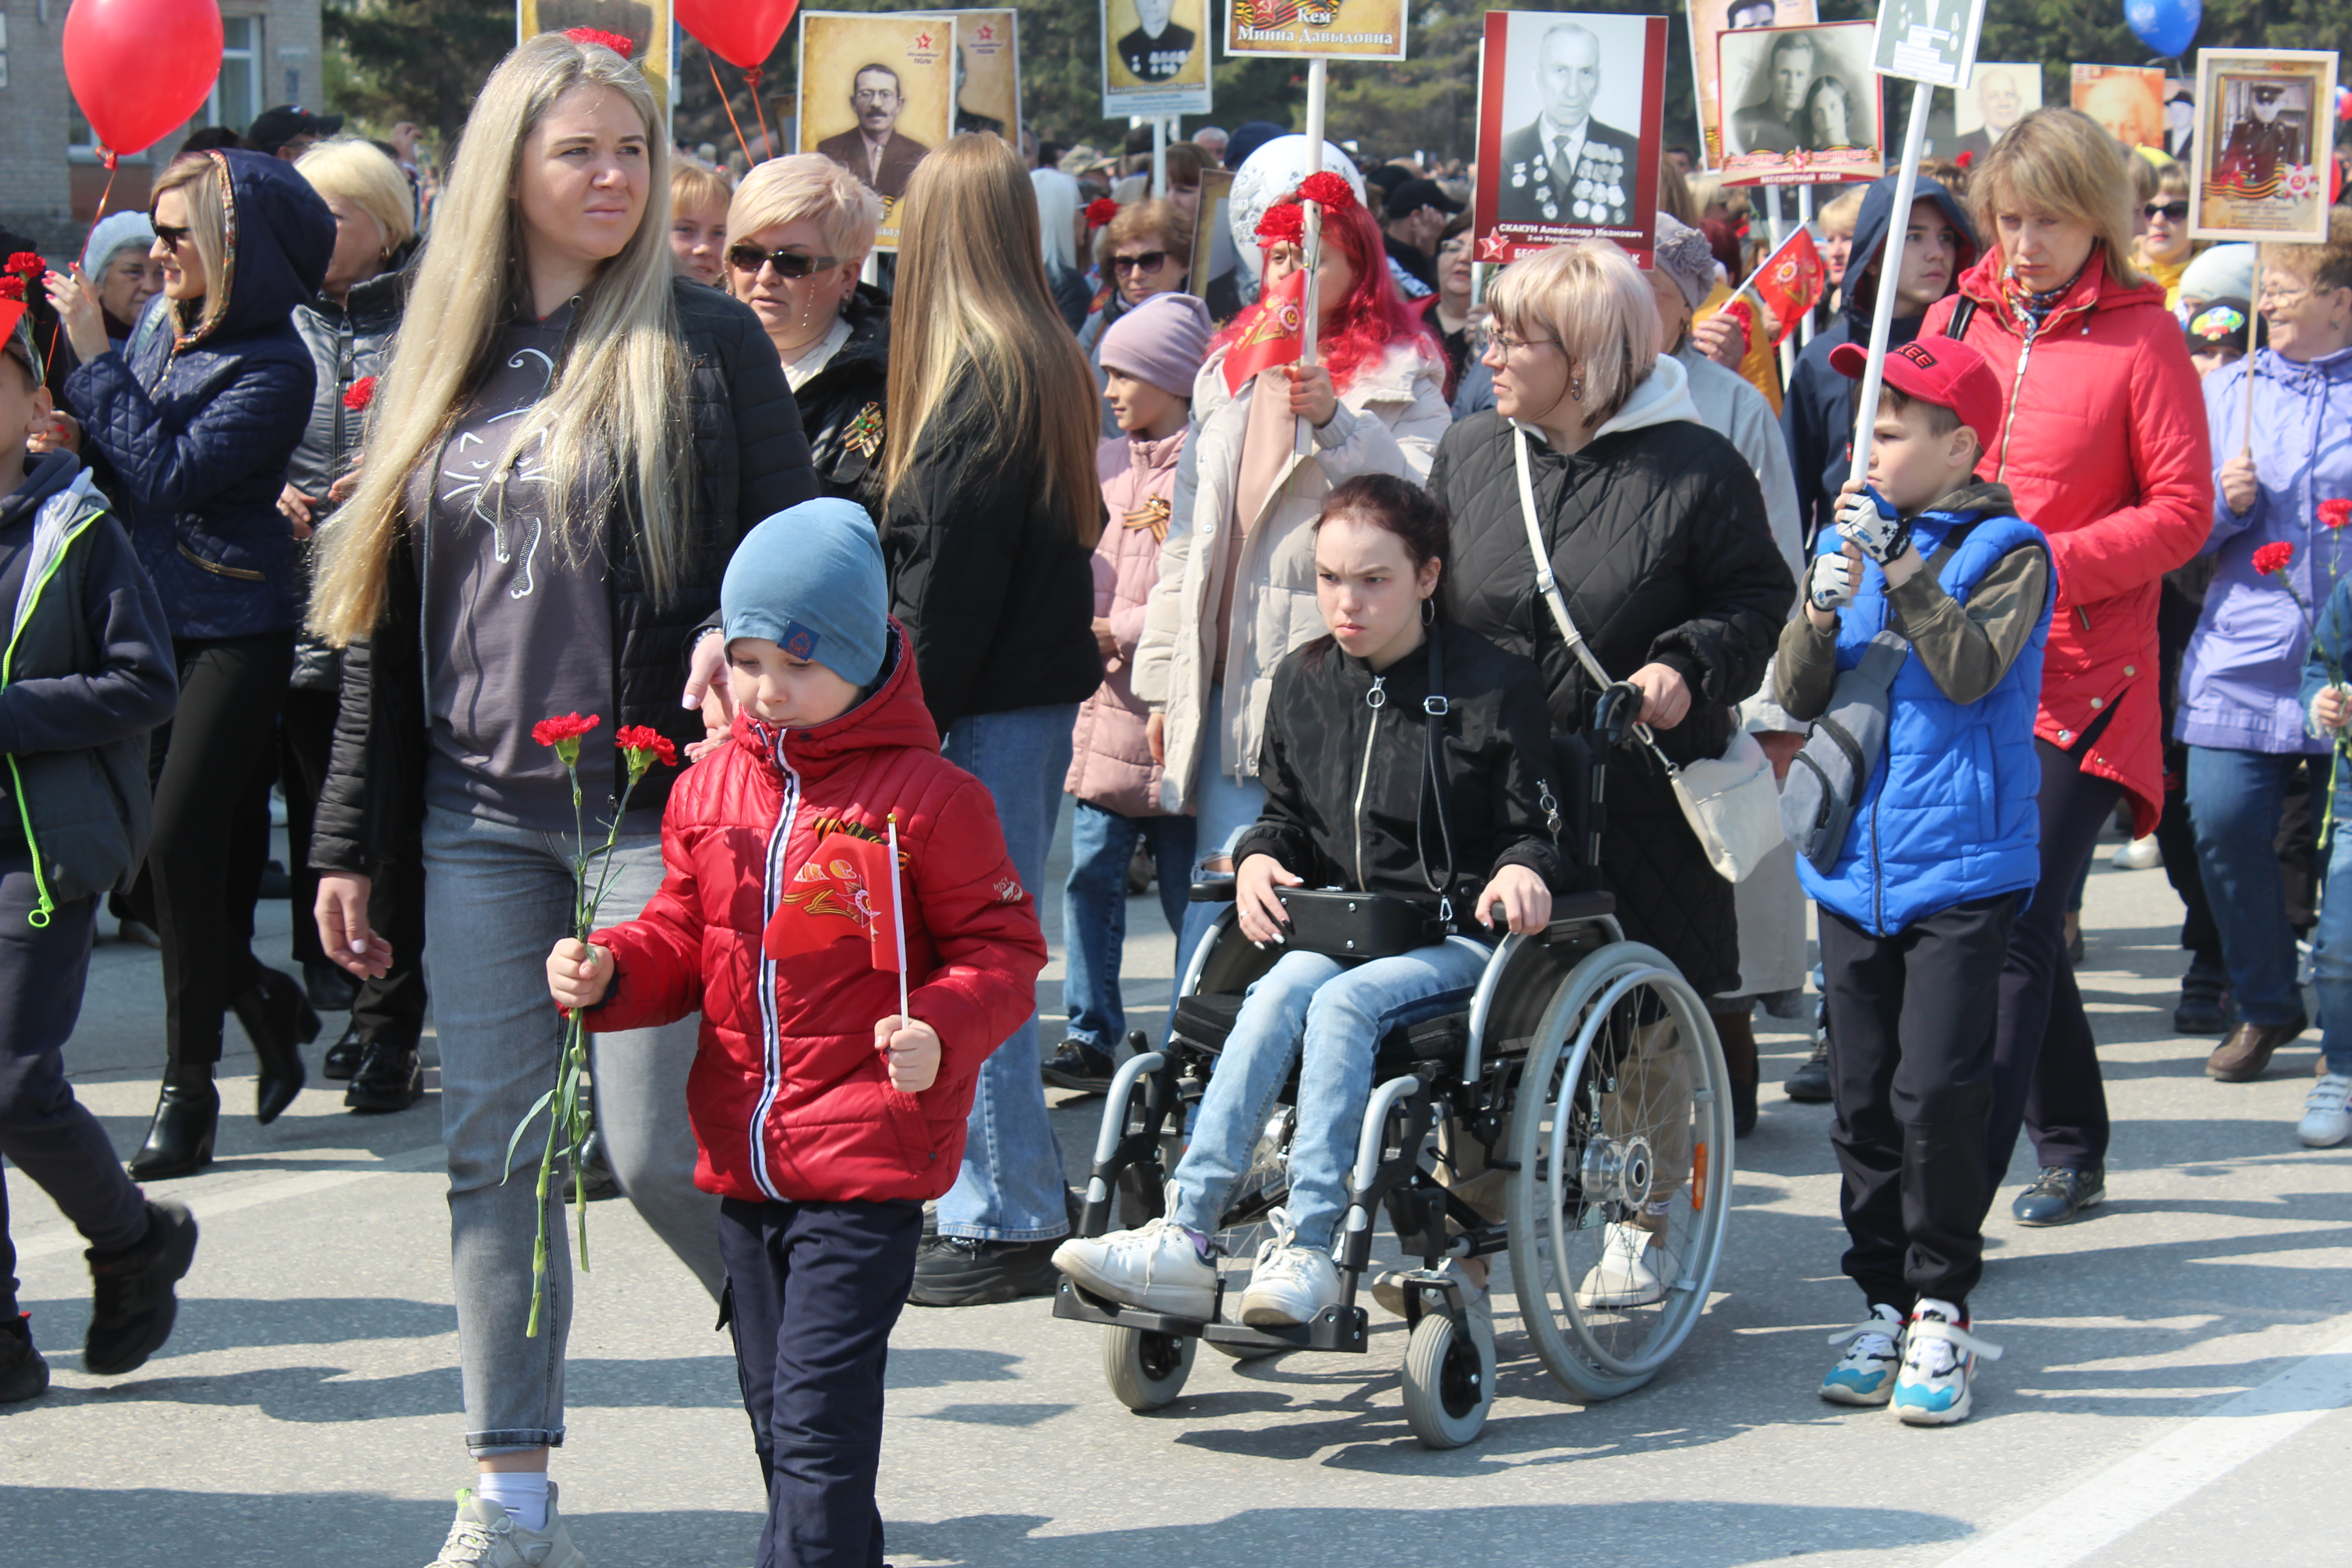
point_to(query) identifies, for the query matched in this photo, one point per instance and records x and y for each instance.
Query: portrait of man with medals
(1568, 167)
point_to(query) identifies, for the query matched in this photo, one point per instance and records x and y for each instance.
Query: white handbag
(1731, 802)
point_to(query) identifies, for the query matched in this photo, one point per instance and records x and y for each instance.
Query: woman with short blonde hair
(2102, 442)
(698, 220)
(801, 228)
(1594, 304)
(352, 169)
(565, 446)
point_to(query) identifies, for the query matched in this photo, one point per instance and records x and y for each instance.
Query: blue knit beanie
(810, 580)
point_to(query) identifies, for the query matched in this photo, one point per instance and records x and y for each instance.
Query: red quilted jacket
(789, 1098)
(2104, 444)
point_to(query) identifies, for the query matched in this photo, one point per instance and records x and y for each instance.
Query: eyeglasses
(2175, 211)
(2272, 294)
(1511, 345)
(1150, 261)
(787, 263)
(173, 237)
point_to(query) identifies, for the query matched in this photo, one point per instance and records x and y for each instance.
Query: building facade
(51, 174)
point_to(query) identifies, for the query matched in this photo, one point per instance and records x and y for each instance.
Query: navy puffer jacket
(198, 425)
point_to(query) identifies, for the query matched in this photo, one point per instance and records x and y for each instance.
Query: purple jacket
(2240, 677)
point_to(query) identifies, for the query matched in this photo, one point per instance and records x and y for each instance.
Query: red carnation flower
(646, 746)
(1282, 224)
(362, 393)
(2335, 513)
(26, 265)
(1966, 159)
(1100, 211)
(2273, 558)
(1327, 191)
(12, 288)
(613, 41)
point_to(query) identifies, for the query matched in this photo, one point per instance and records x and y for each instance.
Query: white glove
(1833, 583)
(1863, 518)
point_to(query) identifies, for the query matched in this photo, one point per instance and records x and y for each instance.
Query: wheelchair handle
(1219, 890)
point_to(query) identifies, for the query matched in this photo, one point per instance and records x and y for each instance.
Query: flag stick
(898, 917)
(1882, 314)
(1779, 230)
(2246, 426)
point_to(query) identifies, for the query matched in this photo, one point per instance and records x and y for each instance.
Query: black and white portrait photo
(1796, 99)
(1569, 152)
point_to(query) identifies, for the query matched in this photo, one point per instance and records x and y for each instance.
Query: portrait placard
(2265, 124)
(1934, 41)
(2126, 101)
(644, 23)
(1155, 58)
(1800, 105)
(1568, 111)
(876, 94)
(1212, 239)
(987, 75)
(1997, 96)
(1316, 29)
(1710, 18)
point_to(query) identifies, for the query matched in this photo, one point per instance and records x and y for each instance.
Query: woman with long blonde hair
(990, 516)
(568, 442)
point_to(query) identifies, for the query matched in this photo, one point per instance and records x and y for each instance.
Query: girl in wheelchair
(1403, 756)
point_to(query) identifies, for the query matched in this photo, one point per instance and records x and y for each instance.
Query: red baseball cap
(1938, 369)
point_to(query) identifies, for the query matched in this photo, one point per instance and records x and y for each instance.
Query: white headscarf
(1057, 215)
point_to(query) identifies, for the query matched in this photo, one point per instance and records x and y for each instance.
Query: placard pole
(1318, 80)
(1805, 218)
(1159, 158)
(1882, 314)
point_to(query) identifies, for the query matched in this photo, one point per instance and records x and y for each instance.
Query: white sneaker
(1631, 1273)
(2139, 855)
(486, 1536)
(1289, 1283)
(1939, 1366)
(1874, 1353)
(2326, 1122)
(1157, 1269)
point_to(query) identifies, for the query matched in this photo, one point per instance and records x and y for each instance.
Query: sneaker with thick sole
(1631, 1273)
(486, 1536)
(1939, 1366)
(1289, 1284)
(1874, 1353)
(133, 1307)
(1809, 1084)
(2204, 1005)
(23, 1374)
(2326, 1122)
(965, 1271)
(1157, 1268)
(2059, 1195)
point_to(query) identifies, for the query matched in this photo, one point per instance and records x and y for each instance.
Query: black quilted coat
(841, 406)
(751, 461)
(1658, 538)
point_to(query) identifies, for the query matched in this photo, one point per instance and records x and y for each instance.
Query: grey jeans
(497, 898)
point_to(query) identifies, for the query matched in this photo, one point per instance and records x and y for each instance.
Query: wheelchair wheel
(1622, 1135)
(1449, 1383)
(1145, 1370)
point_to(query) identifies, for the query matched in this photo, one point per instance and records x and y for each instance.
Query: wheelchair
(1584, 1080)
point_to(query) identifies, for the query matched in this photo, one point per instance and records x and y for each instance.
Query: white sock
(523, 1493)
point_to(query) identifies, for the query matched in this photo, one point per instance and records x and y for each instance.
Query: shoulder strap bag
(1732, 801)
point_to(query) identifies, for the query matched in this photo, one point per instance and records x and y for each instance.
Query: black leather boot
(279, 1021)
(180, 1139)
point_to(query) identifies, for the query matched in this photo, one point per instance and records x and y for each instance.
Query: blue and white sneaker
(1865, 1373)
(1939, 1364)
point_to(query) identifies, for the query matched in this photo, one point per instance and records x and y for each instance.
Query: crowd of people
(339, 475)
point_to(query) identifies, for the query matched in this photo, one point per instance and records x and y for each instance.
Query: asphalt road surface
(2175, 1390)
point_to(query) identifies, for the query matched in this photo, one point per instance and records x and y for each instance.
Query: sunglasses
(2176, 211)
(1150, 261)
(170, 236)
(787, 263)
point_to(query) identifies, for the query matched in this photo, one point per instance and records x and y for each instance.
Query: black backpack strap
(1962, 314)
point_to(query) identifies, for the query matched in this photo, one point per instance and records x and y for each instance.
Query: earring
(1429, 612)
(1576, 389)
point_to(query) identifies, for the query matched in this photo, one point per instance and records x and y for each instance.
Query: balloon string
(730, 107)
(59, 324)
(751, 80)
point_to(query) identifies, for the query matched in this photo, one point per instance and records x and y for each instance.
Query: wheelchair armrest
(1223, 890)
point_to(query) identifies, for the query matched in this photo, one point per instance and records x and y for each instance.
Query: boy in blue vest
(1942, 854)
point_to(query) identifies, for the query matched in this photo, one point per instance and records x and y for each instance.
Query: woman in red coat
(2103, 442)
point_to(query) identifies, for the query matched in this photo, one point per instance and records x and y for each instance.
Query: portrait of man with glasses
(875, 151)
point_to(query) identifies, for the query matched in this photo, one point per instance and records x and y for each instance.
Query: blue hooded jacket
(199, 420)
(1817, 414)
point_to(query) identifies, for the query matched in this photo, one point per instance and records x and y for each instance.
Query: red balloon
(742, 32)
(140, 67)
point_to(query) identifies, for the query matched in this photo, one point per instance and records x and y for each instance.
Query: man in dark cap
(1415, 216)
(2260, 142)
(289, 130)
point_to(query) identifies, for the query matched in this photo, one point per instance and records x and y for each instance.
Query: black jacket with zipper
(1348, 801)
(751, 461)
(841, 406)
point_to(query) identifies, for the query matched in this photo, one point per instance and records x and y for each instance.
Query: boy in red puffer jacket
(822, 1116)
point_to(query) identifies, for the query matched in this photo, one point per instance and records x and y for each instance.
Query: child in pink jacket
(1150, 357)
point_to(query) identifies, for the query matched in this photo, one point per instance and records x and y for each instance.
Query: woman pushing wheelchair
(1403, 757)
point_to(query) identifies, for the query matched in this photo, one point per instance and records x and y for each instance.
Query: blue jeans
(496, 898)
(1338, 1014)
(1093, 909)
(1010, 1188)
(2331, 944)
(2234, 800)
(1224, 807)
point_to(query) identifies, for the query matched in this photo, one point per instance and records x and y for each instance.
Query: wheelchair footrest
(1333, 1329)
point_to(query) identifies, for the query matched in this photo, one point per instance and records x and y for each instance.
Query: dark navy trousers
(812, 1291)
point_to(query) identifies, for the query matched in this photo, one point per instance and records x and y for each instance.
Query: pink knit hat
(1161, 341)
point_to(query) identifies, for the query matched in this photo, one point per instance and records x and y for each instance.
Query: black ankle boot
(179, 1140)
(279, 1021)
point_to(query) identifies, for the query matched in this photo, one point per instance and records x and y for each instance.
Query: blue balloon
(2166, 26)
